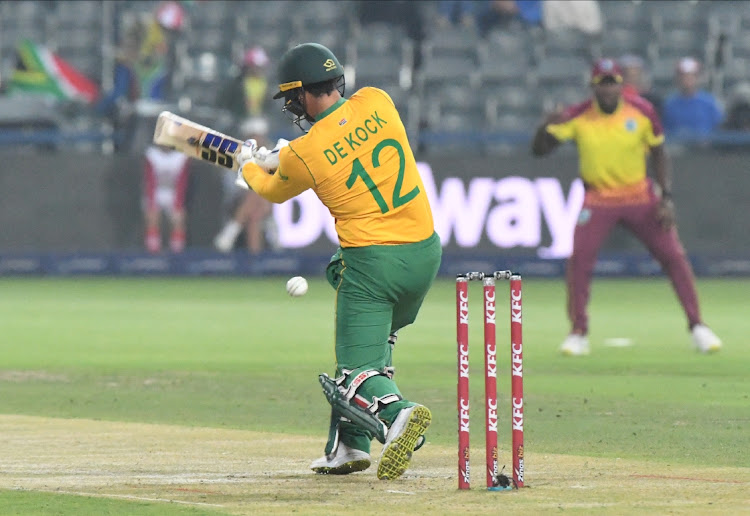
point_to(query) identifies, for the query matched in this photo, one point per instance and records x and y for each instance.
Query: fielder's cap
(603, 68)
(688, 65)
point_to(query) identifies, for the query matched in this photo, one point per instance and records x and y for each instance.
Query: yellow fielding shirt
(612, 148)
(358, 161)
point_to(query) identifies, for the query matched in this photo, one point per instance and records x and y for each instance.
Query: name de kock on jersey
(354, 139)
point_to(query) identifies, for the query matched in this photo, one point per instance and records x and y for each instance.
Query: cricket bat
(197, 141)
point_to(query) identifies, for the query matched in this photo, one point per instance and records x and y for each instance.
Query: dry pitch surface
(241, 472)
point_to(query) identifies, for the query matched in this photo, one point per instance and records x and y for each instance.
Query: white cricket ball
(296, 286)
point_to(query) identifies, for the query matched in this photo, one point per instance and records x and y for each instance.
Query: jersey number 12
(359, 171)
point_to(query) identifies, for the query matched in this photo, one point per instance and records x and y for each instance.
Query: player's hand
(268, 160)
(555, 116)
(246, 155)
(665, 213)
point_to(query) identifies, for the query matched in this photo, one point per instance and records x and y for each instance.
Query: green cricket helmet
(303, 66)
(307, 64)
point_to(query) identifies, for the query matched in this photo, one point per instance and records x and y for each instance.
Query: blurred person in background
(118, 105)
(250, 212)
(243, 95)
(583, 15)
(156, 56)
(501, 13)
(635, 82)
(615, 135)
(456, 12)
(691, 111)
(165, 180)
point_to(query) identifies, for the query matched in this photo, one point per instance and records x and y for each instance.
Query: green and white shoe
(343, 461)
(403, 436)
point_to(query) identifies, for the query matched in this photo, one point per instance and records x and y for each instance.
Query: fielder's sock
(177, 241)
(153, 240)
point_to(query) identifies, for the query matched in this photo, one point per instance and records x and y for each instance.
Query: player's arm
(546, 140)
(653, 137)
(662, 171)
(290, 179)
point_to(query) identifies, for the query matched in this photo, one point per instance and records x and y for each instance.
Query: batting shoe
(404, 435)
(705, 340)
(343, 461)
(575, 345)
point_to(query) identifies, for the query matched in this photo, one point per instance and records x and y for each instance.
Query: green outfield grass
(241, 354)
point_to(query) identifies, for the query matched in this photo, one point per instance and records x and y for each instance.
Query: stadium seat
(667, 15)
(571, 71)
(82, 13)
(623, 14)
(681, 42)
(442, 70)
(553, 95)
(620, 41)
(322, 15)
(504, 61)
(378, 70)
(736, 71)
(570, 42)
(513, 123)
(510, 42)
(519, 100)
(739, 45)
(663, 74)
(451, 42)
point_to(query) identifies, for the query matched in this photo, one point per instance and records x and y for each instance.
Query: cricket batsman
(357, 159)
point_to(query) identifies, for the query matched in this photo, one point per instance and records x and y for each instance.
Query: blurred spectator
(165, 179)
(501, 13)
(118, 105)
(635, 81)
(691, 111)
(584, 15)
(244, 95)
(456, 12)
(249, 211)
(738, 111)
(156, 56)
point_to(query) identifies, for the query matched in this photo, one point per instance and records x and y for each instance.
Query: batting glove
(246, 155)
(268, 160)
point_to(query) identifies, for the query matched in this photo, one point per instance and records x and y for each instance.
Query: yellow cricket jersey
(612, 148)
(357, 159)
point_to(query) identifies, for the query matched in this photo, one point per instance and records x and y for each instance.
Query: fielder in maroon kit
(614, 135)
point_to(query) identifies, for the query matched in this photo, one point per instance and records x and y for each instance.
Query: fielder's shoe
(705, 340)
(343, 461)
(575, 345)
(226, 238)
(403, 436)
